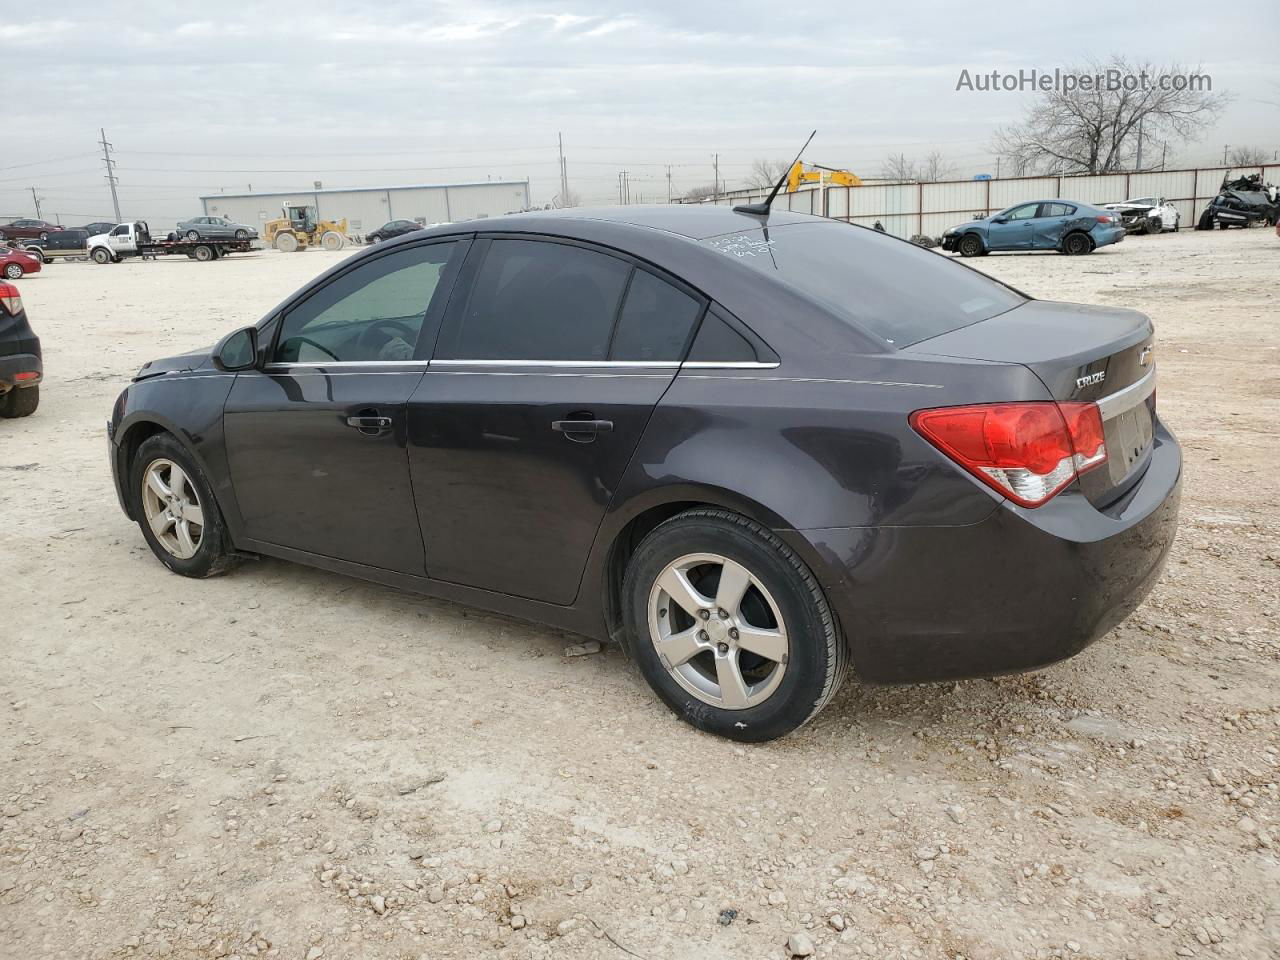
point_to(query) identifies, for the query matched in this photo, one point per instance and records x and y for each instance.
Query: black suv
(21, 368)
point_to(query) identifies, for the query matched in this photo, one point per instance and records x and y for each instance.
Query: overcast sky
(354, 94)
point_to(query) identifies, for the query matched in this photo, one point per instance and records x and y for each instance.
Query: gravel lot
(287, 763)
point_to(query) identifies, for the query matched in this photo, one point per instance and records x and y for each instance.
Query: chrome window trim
(660, 364)
(281, 367)
(406, 364)
(1127, 398)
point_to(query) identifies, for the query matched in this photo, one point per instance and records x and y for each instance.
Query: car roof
(695, 221)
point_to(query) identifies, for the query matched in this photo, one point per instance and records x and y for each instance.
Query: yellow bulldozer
(300, 227)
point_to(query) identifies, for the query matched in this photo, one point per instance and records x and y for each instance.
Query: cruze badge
(1089, 379)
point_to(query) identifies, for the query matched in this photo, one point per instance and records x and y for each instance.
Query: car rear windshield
(897, 291)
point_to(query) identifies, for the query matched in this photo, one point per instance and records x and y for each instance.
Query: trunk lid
(1080, 353)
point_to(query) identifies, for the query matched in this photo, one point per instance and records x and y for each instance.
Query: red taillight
(10, 298)
(1028, 452)
(1105, 218)
(25, 376)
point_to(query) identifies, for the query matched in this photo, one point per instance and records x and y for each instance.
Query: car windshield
(898, 291)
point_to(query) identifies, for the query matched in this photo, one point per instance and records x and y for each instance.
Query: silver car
(215, 228)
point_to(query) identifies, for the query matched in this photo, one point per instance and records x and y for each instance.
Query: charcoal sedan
(749, 448)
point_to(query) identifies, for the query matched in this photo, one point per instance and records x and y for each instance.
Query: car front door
(120, 239)
(547, 370)
(1014, 233)
(1047, 227)
(316, 438)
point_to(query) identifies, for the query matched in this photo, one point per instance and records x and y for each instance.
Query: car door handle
(370, 425)
(581, 431)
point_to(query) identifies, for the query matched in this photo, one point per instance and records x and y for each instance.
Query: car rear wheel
(175, 509)
(1074, 244)
(13, 271)
(193, 235)
(242, 234)
(970, 245)
(20, 403)
(730, 628)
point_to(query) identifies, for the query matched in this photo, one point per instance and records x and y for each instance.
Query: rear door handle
(581, 431)
(370, 425)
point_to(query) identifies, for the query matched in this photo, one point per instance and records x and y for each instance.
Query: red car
(29, 229)
(15, 264)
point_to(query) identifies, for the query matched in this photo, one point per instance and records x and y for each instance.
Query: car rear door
(1047, 227)
(548, 368)
(316, 439)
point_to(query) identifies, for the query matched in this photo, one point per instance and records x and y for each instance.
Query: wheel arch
(624, 529)
(132, 434)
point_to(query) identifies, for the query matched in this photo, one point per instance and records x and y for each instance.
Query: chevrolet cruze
(751, 448)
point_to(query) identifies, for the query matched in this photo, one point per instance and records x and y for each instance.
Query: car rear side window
(372, 313)
(717, 342)
(1058, 210)
(538, 300)
(656, 321)
(895, 290)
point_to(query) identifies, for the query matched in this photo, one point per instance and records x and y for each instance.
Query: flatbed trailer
(134, 240)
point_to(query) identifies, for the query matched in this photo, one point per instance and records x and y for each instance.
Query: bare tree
(765, 173)
(898, 167)
(1097, 130)
(929, 170)
(1247, 157)
(701, 193)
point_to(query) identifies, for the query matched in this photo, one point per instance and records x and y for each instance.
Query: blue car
(1062, 225)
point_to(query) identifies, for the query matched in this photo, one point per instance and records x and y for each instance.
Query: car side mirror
(237, 351)
(999, 219)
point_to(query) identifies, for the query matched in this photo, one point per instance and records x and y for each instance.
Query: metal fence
(929, 208)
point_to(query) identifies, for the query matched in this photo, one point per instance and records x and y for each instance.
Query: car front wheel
(13, 271)
(175, 509)
(730, 627)
(970, 246)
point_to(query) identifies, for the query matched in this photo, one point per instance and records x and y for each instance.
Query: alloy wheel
(172, 508)
(718, 631)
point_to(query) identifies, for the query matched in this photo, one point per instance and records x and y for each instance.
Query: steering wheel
(307, 340)
(365, 342)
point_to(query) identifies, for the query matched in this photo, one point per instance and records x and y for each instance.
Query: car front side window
(1025, 212)
(374, 312)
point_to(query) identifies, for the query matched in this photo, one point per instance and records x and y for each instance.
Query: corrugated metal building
(367, 208)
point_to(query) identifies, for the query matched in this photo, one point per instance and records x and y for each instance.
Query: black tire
(193, 235)
(242, 234)
(204, 253)
(817, 659)
(1223, 225)
(970, 245)
(13, 271)
(100, 255)
(21, 402)
(1075, 244)
(214, 554)
(1152, 226)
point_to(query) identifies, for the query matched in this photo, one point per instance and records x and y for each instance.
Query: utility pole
(716, 183)
(36, 201)
(668, 183)
(1164, 152)
(1224, 153)
(564, 179)
(111, 176)
(997, 168)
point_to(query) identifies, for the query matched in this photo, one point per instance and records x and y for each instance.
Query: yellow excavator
(814, 173)
(301, 227)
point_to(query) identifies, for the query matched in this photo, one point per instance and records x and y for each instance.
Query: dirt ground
(283, 762)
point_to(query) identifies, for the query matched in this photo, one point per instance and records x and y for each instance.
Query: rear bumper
(1019, 590)
(1105, 235)
(17, 363)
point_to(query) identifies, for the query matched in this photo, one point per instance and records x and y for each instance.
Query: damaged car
(1146, 215)
(1241, 203)
(1063, 225)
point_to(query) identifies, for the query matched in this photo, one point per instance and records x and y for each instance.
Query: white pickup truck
(134, 239)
